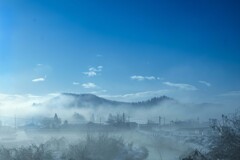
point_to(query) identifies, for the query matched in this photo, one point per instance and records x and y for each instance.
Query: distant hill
(70, 100)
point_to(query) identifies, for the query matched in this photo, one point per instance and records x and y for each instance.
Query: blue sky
(185, 49)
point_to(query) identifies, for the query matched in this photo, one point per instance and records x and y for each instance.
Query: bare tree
(225, 143)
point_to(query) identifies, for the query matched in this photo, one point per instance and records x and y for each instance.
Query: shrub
(104, 147)
(225, 144)
(100, 147)
(32, 152)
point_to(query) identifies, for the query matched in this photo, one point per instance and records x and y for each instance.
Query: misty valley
(87, 127)
(119, 80)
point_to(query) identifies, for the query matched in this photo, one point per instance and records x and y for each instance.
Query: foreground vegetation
(100, 147)
(224, 144)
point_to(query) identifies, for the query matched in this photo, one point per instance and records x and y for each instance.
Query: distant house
(119, 121)
(149, 125)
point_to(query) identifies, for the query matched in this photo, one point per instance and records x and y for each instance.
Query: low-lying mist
(29, 106)
(58, 126)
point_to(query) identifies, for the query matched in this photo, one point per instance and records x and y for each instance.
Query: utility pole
(159, 120)
(15, 122)
(123, 118)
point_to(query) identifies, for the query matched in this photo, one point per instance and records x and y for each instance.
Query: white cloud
(100, 68)
(205, 83)
(139, 78)
(89, 85)
(231, 94)
(150, 78)
(41, 79)
(181, 86)
(75, 83)
(142, 78)
(92, 71)
(159, 78)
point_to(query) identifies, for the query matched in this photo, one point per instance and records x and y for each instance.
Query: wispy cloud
(181, 86)
(41, 79)
(41, 69)
(138, 95)
(99, 55)
(99, 92)
(205, 83)
(92, 71)
(12, 103)
(142, 78)
(231, 94)
(75, 83)
(89, 85)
